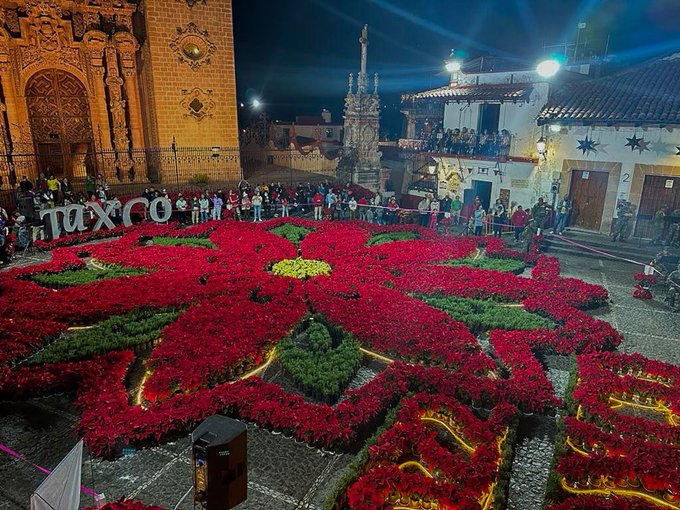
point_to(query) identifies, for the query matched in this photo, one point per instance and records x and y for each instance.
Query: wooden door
(659, 191)
(588, 192)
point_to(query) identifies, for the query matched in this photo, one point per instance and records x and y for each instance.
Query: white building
(617, 138)
(494, 110)
(586, 124)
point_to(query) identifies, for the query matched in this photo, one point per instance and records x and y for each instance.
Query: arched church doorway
(59, 113)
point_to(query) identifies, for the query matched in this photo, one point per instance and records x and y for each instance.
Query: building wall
(190, 73)
(518, 118)
(627, 168)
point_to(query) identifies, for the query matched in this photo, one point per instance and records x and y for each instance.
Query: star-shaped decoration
(638, 144)
(587, 146)
(661, 148)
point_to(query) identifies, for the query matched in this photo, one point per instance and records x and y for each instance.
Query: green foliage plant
(133, 330)
(504, 265)
(388, 237)
(194, 242)
(73, 277)
(294, 233)
(321, 358)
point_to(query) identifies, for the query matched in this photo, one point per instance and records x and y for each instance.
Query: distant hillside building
(308, 130)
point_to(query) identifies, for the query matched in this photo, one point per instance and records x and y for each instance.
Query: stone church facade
(117, 87)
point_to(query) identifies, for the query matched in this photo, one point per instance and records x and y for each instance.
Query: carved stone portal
(193, 46)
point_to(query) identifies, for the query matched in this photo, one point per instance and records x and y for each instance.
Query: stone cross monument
(360, 163)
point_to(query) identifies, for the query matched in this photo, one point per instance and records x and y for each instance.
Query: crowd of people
(266, 201)
(468, 142)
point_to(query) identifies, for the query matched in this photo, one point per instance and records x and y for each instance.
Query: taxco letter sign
(70, 218)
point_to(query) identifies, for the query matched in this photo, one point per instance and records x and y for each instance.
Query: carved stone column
(95, 42)
(127, 46)
(117, 105)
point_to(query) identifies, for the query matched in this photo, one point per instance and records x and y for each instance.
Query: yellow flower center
(301, 268)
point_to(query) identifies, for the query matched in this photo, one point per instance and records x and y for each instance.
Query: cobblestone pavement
(284, 474)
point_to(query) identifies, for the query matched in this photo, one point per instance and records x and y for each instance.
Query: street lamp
(256, 103)
(173, 147)
(548, 68)
(453, 64)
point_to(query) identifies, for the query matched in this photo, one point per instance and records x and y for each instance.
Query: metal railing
(170, 167)
(479, 146)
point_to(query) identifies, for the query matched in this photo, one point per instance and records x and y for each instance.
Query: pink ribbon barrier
(20, 457)
(605, 254)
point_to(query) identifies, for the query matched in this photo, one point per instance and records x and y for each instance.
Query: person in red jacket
(317, 201)
(233, 205)
(519, 221)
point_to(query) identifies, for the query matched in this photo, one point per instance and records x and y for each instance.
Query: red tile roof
(648, 94)
(503, 92)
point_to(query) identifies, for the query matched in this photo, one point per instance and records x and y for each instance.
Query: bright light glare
(256, 103)
(453, 66)
(548, 68)
(555, 128)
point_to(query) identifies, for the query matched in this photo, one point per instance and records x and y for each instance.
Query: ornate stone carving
(197, 103)
(117, 107)
(191, 3)
(12, 20)
(127, 47)
(193, 46)
(360, 153)
(47, 37)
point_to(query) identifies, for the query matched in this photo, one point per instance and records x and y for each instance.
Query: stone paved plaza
(284, 474)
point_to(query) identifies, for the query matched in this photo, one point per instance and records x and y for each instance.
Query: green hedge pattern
(481, 315)
(320, 358)
(194, 242)
(71, 278)
(505, 265)
(388, 237)
(294, 233)
(117, 333)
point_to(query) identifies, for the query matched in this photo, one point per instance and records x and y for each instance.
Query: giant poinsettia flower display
(233, 311)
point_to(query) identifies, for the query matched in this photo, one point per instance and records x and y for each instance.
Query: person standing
(330, 202)
(246, 206)
(285, 213)
(445, 207)
(392, 211)
(363, 208)
(625, 215)
(659, 224)
(257, 207)
(352, 208)
(195, 210)
(317, 202)
(204, 207)
(519, 220)
(217, 207)
(378, 209)
(89, 185)
(539, 212)
(456, 208)
(499, 218)
(563, 210)
(478, 217)
(67, 190)
(424, 211)
(434, 213)
(53, 188)
(182, 207)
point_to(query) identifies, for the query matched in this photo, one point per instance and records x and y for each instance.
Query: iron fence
(166, 167)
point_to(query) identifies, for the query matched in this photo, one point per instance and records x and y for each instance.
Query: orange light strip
(619, 492)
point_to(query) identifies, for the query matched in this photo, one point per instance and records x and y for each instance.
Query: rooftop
(503, 92)
(647, 94)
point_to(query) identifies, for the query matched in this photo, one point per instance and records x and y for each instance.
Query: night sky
(295, 55)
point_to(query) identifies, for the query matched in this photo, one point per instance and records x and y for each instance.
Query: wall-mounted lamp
(542, 148)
